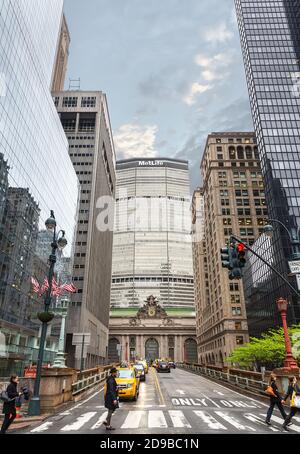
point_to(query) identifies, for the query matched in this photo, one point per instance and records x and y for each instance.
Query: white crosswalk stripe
(210, 420)
(178, 419)
(233, 421)
(157, 420)
(42, 427)
(80, 422)
(256, 419)
(280, 421)
(133, 420)
(100, 421)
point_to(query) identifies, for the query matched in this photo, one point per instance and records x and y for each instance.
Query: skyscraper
(270, 38)
(38, 175)
(234, 203)
(62, 57)
(152, 252)
(85, 119)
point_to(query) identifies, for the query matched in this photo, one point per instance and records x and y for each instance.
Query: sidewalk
(25, 421)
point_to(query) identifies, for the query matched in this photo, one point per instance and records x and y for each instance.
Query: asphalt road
(175, 403)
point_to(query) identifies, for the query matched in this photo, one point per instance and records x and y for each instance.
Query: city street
(175, 403)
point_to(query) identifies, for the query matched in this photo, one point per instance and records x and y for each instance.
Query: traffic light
(233, 258)
(226, 258)
(236, 272)
(241, 254)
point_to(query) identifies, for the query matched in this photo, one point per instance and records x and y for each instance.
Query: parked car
(172, 364)
(163, 366)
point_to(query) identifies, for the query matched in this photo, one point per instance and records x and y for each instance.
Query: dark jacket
(111, 393)
(276, 392)
(9, 407)
(290, 392)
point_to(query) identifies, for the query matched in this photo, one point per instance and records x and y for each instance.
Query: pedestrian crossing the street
(204, 421)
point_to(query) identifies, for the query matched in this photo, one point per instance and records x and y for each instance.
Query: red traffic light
(241, 247)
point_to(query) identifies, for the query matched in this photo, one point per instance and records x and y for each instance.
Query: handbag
(295, 400)
(270, 391)
(4, 397)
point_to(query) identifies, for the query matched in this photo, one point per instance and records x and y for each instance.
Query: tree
(267, 351)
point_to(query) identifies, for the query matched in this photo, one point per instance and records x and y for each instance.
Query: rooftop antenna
(74, 84)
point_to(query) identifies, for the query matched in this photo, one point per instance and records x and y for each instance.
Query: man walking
(111, 397)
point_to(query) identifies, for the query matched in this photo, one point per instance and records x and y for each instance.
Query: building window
(236, 311)
(70, 101)
(88, 101)
(239, 340)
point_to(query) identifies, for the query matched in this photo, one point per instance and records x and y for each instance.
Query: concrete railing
(232, 377)
(90, 378)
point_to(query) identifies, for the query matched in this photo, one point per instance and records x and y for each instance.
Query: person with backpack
(111, 397)
(275, 399)
(293, 393)
(9, 405)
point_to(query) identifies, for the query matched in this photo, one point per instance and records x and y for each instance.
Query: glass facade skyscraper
(270, 37)
(152, 251)
(36, 173)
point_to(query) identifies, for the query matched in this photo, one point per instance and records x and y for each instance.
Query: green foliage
(267, 351)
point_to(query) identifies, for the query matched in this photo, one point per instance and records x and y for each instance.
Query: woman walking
(293, 393)
(9, 408)
(275, 399)
(111, 397)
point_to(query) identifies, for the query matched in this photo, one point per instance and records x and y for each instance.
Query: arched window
(232, 154)
(114, 352)
(190, 350)
(240, 153)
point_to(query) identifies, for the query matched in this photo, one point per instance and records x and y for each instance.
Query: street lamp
(293, 234)
(59, 242)
(289, 361)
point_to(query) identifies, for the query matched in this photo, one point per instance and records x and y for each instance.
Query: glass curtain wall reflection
(152, 252)
(270, 38)
(36, 173)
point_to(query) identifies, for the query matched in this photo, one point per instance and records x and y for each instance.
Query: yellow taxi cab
(128, 383)
(145, 364)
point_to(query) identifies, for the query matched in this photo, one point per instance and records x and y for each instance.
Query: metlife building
(152, 252)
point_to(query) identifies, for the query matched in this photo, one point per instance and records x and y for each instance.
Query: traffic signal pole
(266, 263)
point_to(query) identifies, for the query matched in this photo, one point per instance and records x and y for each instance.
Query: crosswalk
(202, 421)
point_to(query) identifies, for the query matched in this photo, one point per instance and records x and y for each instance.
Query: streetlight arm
(266, 263)
(284, 226)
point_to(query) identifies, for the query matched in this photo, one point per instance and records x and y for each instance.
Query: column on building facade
(181, 349)
(142, 352)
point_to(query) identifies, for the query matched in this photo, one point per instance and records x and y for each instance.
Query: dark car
(140, 371)
(163, 366)
(172, 364)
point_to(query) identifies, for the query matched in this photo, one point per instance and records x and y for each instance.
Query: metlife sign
(151, 163)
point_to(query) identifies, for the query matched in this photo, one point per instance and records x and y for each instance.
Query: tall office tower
(201, 284)
(38, 172)
(62, 56)
(270, 38)
(234, 203)
(85, 119)
(152, 251)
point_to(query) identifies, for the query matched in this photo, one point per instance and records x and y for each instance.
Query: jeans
(8, 420)
(109, 415)
(293, 411)
(271, 409)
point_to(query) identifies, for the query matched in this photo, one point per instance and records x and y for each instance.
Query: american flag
(70, 288)
(35, 285)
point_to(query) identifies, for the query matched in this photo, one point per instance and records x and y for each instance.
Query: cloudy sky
(172, 72)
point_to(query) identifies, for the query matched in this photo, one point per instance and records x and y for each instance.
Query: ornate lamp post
(59, 242)
(289, 361)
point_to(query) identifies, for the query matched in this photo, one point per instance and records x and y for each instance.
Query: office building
(152, 253)
(234, 203)
(85, 119)
(36, 171)
(270, 39)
